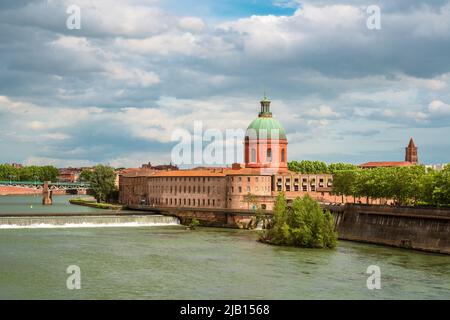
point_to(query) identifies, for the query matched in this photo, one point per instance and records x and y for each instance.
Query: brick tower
(411, 152)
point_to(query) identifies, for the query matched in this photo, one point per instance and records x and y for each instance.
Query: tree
(48, 173)
(304, 224)
(441, 192)
(28, 173)
(86, 174)
(336, 167)
(8, 172)
(344, 182)
(306, 166)
(102, 182)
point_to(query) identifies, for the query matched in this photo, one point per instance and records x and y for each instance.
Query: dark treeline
(29, 173)
(414, 185)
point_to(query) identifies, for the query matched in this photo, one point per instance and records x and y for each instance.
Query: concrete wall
(415, 228)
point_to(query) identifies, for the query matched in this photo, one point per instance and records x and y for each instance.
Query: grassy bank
(94, 204)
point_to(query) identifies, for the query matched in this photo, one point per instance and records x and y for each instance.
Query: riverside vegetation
(302, 224)
(28, 173)
(414, 185)
(102, 182)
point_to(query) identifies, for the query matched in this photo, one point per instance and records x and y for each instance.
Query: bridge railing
(40, 183)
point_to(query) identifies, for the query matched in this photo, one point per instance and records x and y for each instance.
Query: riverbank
(9, 191)
(95, 204)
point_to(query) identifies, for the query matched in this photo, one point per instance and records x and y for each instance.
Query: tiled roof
(212, 172)
(386, 164)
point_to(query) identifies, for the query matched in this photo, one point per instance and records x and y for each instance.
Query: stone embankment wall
(424, 229)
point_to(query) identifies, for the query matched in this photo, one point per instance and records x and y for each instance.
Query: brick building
(411, 159)
(257, 182)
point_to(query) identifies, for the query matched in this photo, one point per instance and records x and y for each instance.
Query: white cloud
(437, 107)
(323, 111)
(193, 24)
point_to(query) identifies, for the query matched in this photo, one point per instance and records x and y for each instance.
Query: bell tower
(411, 154)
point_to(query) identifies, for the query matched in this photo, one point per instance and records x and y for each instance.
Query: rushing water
(174, 263)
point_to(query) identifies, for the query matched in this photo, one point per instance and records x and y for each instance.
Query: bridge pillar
(46, 194)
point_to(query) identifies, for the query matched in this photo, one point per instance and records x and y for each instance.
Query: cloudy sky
(115, 90)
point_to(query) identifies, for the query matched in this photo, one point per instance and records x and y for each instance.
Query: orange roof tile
(375, 164)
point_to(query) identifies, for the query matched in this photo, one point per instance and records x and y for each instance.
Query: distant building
(17, 165)
(71, 175)
(411, 159)
(167, 167)
(411, 154)
(437, 167)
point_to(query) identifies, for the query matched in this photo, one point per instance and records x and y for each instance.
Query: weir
(87, 221)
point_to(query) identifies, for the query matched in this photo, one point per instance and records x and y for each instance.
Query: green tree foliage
(29, 173)
(336, 167)
(441, 191)
(315, 167)
(306, 166)
(304, 224)
(102, 182)
(405, 185)
(86, 175)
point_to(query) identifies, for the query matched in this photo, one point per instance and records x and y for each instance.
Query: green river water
(173, 263)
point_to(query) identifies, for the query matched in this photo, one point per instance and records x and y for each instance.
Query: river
(173, 263)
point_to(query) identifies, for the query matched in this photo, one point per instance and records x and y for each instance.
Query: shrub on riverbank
(304, 224)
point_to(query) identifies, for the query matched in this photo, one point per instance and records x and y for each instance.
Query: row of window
(249, 179)
(190, 179)
(186, 202)
(304, 184)
(185, 189)
(249, 189)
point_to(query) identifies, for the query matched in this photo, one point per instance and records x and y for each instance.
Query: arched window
(253, 155)
(283, 156)
(269, 155)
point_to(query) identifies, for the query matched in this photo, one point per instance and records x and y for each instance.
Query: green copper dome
(264, 126)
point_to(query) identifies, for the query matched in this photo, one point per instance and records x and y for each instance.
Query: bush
(304, 224)
(194, 224)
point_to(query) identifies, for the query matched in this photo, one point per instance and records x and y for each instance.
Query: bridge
(38, 185)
